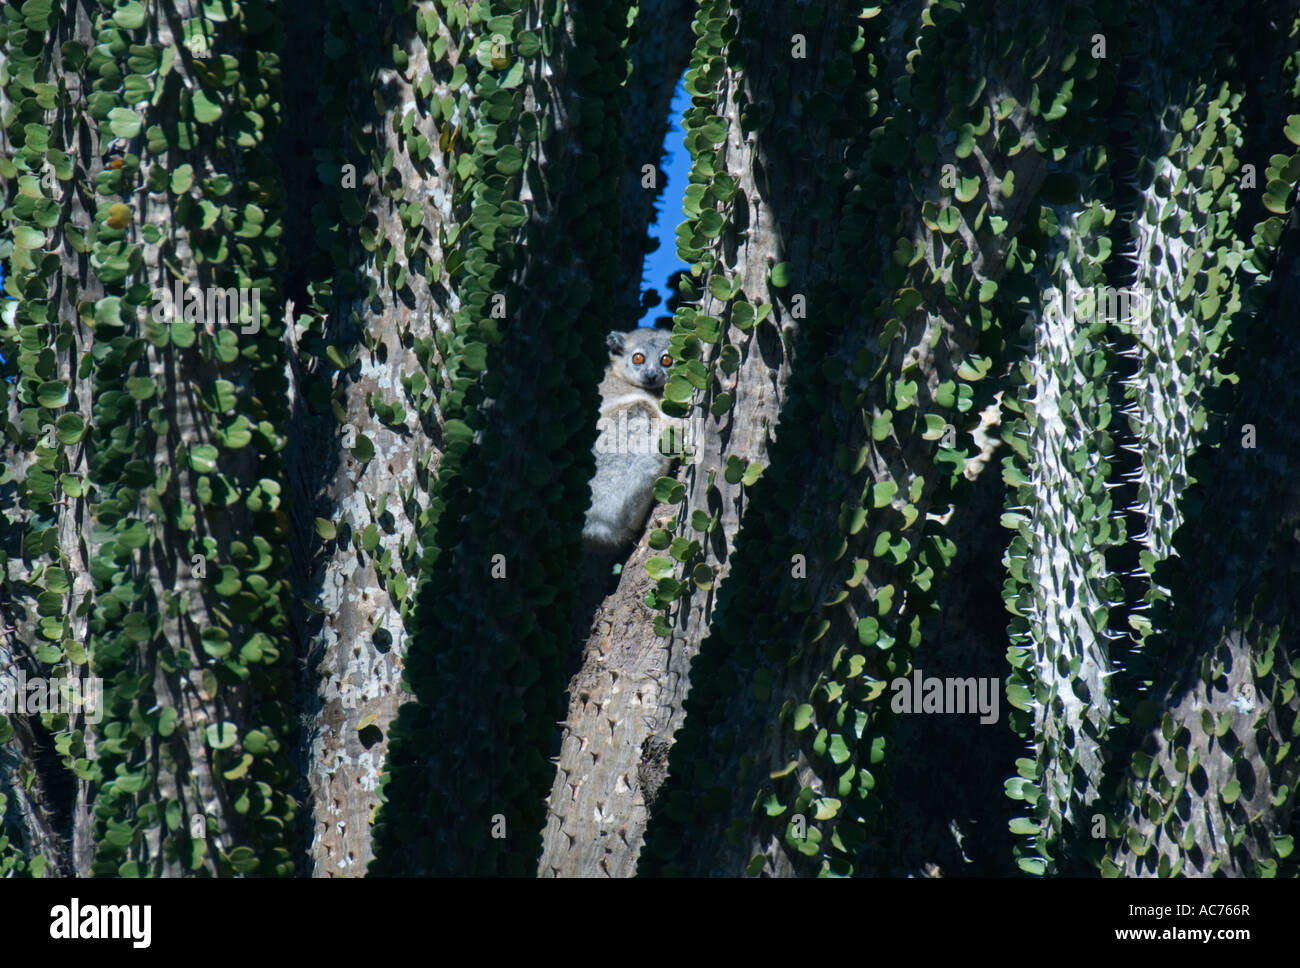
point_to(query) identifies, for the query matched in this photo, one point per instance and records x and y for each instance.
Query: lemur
(628, 459)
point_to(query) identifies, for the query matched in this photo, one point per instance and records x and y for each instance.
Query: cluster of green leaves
(181, 661)
(352, 256)
(14, 861)
(535, 282)
(848, 492)
(706, 347)
(1210, 341)
(1082, 665)
(1060, 443)
(30, 216)
(1057, 435)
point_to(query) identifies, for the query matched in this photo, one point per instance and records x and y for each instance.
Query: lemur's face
(646, 359)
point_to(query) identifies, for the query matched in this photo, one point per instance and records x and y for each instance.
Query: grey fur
(627, 457)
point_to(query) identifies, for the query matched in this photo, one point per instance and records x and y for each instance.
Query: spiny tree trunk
(379, 196)
(152, 536)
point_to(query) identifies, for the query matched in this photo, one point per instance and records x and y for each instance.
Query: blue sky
(677, 164)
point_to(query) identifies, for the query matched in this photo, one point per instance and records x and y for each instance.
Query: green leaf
(1033, 865)
(669, 491)
(140, 387)
(69, 428)
(826, 808)
(735, 469)
(974, 368)
(222, 736)
(1231, 791)
(729, 359)
(26, 237)
(109, 310)
(216, 643)
(132, 535)
(326, 529)
(51, 395)
(803, 717)
(1276, 195)
(678, 389)
(182, 179)
(908, 300)
(123, 122)
(528, 44)
(203, 458)
(364, 449)
(338, 358)
(781, 275)
(839, 750)
(695, 374)
(167, 722)
(228, 582)
(658, 568)
(205, 109)
(1292, 129)
(255, 742)
(965, 141)
(128, 16)
(509, 160)
(681, 549)
(243, 860)
(224, 397)
(239, 769)
(1020, 696)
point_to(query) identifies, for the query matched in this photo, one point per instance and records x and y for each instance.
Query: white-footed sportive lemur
(628, 458)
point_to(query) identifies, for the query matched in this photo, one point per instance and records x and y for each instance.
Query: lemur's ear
(614, 340)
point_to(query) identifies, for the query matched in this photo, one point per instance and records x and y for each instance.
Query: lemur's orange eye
(665, 360)
(638, 358)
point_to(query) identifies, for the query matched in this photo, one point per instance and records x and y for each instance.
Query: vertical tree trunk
(154, 542)
(367, 449)
(596, 809)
